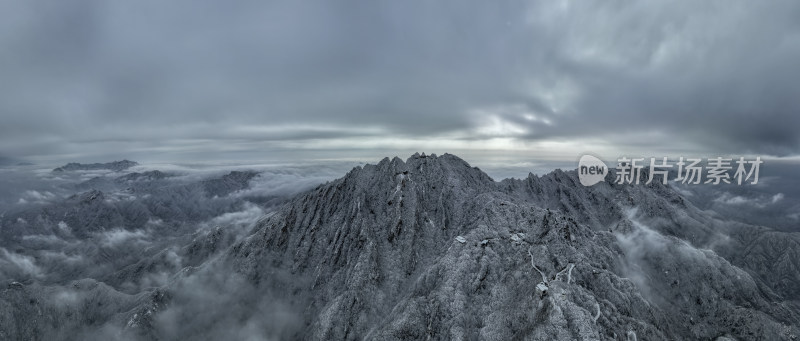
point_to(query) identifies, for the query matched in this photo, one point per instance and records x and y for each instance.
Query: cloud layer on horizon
(192, 79)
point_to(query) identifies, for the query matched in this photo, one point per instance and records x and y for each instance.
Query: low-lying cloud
(13, 264)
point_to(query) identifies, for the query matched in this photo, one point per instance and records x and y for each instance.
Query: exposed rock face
(113, 166)
(431, 248)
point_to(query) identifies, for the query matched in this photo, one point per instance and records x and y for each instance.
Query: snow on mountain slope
(431, 248)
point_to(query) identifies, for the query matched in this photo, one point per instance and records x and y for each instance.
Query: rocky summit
(431, 248)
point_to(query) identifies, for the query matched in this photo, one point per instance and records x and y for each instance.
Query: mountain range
(113, 166)
(423, 248)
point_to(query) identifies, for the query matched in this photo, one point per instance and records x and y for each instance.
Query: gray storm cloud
(93, 78)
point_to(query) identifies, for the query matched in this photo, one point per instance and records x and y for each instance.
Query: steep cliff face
(431, 248)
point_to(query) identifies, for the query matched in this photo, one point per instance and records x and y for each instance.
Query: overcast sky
(85, 80)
